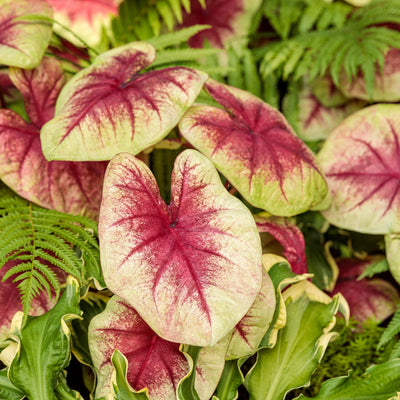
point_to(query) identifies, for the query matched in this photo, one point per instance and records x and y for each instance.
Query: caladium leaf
(300, 346)
(227, 19)
(23, 41)
(44, 347)
(182, 265)
(253, 145)
(152, 361)
(386, 81)
(374, 298)
(110, 107)
(86, 19)
(380, 382)
(250, 330)
(315, 121)
(69, 187)
(289, 236)
(361, 162)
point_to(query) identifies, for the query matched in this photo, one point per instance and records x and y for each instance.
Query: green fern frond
(355, 43)
(35, 241)
(391, 331)
(144, 19)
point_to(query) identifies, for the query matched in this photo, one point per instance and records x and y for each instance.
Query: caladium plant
(167, 230)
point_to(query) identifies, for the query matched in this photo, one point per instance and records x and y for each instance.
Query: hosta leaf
(289, 236)
(24, 41)
(63, 186)
(253, 145)
(250, 330)
(44, 347)
(374, 298)
(181, 266)
(361, 162)
(392, 245)
(380, 382)
(7, 390)
(152, 361)
(110, 107)
(300, 345)
(86, 19)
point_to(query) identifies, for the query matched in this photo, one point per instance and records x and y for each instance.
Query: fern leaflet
(35, 242)
(391, 331)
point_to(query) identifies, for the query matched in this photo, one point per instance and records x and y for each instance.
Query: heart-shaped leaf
(61, 185)
(253, 145)
(110, 107)
(361, 161)
(289, 236)
(86, 19)
(181, 266)
(23, 41)
(152, 361)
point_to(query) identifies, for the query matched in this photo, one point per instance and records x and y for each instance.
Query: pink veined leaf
(110, 107)
(8, 92)
(386, 82)
(228, 19)
(248, 333)
(315, 121)
(152, 361)
(361, 161)
(10, 297)
(373, 298)
(254, 147)
(192, 268)
(64, 186)
(24, 41)
(85, 18)
(290, 237)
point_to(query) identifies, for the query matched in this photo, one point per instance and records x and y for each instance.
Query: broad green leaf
(7, 390)
(300, 345)
(182, 265)
(360, 160)
(111, 107)
(152, 361)
(254, 147)
(231, 379)
(187, 385)
(44, 347)
(381, 382)
(23, 40)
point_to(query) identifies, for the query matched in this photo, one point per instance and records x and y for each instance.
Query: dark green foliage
(355, 350)
(33, 238)
(392, 329)
(343, 40)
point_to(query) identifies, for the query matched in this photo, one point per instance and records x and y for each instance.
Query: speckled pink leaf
(386, 85)
(315, 121)
(361, 161)
(229, 19)
(23, 41)
(253, 145)
(368, 298)
(110, 107)
(10, 297)
(249, 332)
(85, 18)
(291, 239)
(152, 362)
(64, 186)
(182, 266)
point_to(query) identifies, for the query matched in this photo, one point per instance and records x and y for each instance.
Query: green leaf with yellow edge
(25, 32)
(44, 347)
(380, 382)
(392, 245)
(300, 344)
(7, 390)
